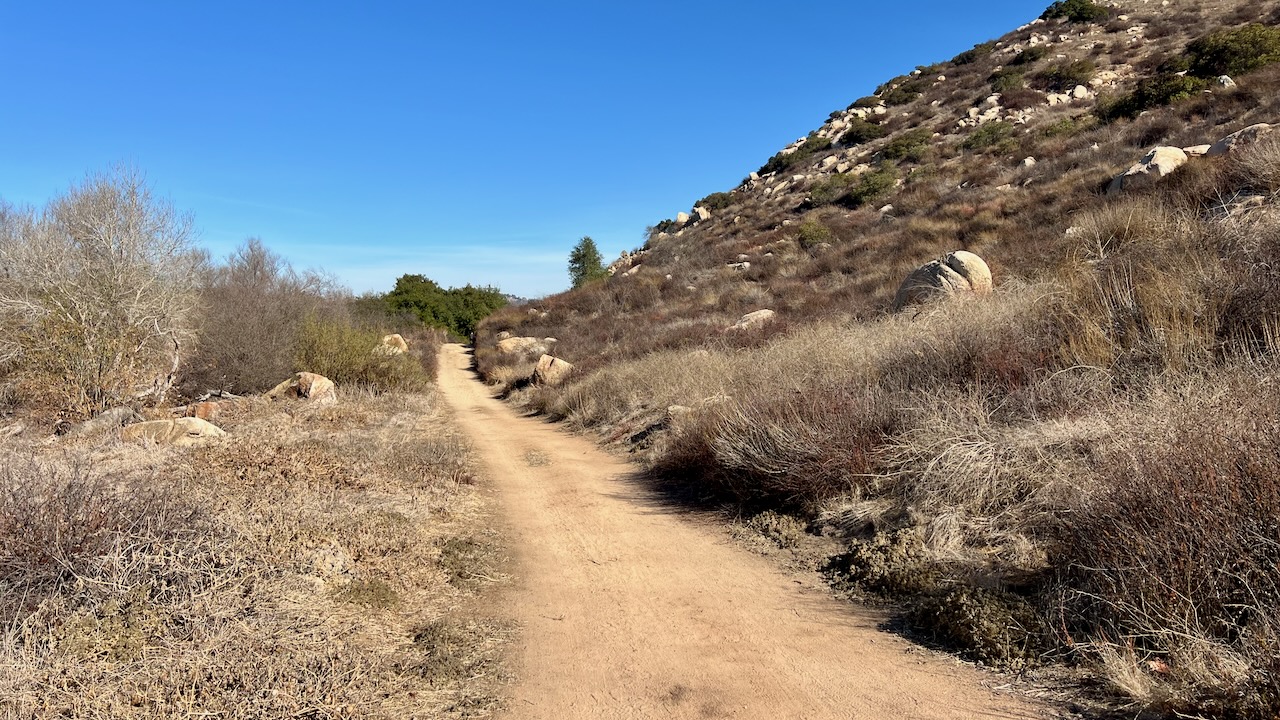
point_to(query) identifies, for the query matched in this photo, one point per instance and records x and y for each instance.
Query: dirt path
(630, 610)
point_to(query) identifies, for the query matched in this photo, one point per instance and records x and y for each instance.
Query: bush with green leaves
(807, 149)
(1076, 11)
(975, 53)
(812, 233)
(1234, 52)
(1007, 80)
(716, 201)
(904, 92)
(457, 310)
(866, 102)
(1149, 93)
(998, 134)
(1065, 76)
(1068, 126)
(852, 190)
(342, 351)
(908, 145)
(1030, 55)
(861, 131)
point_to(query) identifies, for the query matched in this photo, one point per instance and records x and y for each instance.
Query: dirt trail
(630, 610)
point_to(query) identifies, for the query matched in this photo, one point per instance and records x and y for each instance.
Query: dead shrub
(96, 301)
(1174, 555)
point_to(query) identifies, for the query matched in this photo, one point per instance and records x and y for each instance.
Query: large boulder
(181, 432)
(528, 345)
(753, 320)
(1240, 138)
(311, 387)
(106, 420)
(960, 272)
(1156, 164)
(393, 344)
(551, 370)
(972, 268)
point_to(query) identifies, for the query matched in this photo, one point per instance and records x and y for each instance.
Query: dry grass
(300, 567)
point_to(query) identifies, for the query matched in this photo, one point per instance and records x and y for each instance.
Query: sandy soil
(633, 609)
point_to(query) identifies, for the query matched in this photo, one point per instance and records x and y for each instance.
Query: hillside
(1079, 468)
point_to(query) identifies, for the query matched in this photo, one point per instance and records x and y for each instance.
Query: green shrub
(990, 626)
(811, 233)
(1065, 76)
(905, 93)
(1067, 126)
(910, 144)
(869, 101)
(972, 55)
(457, 310)
(783, 161)
(716, 201)
(1006, 80)
(665, 226)
(993, 134)
(1030, 55)
(1076, 11)
(854, 190)
(346, 354)
(861, 131)
(1234, 52)
(1149, 93)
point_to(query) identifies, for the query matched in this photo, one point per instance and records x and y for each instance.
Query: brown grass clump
(287, 570)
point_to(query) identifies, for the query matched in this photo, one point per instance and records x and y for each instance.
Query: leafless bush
(251, 308)
(97, 294)
(1173, 558)
(58, 518)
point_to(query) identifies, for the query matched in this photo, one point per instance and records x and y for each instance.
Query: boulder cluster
(1165, 159)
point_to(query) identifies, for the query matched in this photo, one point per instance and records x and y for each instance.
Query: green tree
(457, 310)
(585, 263)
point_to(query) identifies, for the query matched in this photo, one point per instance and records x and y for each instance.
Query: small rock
(1197, 150)
(1225, 81)
(1028, 162)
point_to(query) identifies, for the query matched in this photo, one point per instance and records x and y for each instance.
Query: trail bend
(631, 609)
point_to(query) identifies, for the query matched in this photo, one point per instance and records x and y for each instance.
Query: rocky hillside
(1025, 464)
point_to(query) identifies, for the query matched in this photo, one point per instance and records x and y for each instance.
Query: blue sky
(469, 142)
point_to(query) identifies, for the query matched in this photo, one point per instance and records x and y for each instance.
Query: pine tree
(585, 263)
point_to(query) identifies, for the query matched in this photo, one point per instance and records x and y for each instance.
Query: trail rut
(631, 609)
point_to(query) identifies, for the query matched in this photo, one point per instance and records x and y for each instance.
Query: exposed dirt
(630, 608)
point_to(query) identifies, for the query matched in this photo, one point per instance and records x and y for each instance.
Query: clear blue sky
(469, 142)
